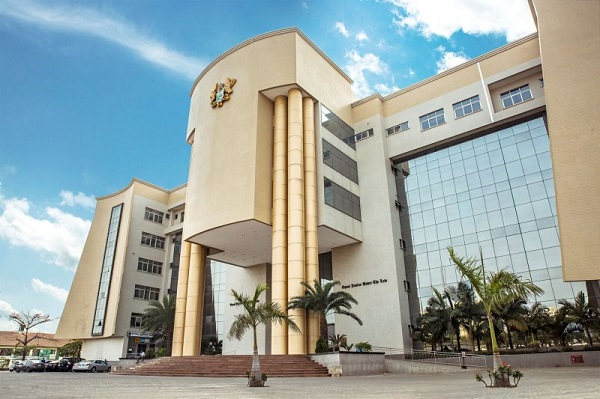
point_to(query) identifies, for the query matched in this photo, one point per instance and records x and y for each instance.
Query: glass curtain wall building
(495, 192)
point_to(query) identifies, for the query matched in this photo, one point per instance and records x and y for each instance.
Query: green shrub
(321, 346)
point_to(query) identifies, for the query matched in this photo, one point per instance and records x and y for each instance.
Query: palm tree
(437, 317)
(255, 314)
(495, 290)
(513, 318)
(159, 319)
(537, 318)
(580, 312)
(322, 300)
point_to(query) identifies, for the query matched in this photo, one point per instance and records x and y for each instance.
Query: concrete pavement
(572, 382)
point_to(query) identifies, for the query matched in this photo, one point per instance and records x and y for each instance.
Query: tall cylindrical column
(180, 304)
(296, 272)
(310, 193)
(195, 301)
(279, 335)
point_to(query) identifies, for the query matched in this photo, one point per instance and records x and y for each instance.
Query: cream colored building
(293, 179)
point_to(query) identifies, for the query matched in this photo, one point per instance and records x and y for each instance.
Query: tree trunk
(510, 342)
(323, 326)
(589, 337)
(495, 350)
(458, 339)
(255, 374)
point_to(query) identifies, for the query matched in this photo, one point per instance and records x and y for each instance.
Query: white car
(92, 366)
(13, 363)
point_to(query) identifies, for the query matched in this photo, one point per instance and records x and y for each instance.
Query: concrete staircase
(228, 366)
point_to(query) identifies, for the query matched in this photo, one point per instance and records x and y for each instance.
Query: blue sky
(95, 93)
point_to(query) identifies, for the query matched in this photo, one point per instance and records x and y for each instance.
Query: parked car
(30, 366)
(92, 366)
(13, 363)
(64, 364)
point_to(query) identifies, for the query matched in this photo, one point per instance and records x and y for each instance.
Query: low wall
(550, 359)
(353, 363)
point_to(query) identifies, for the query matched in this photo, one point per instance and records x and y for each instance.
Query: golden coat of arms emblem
(221, 92)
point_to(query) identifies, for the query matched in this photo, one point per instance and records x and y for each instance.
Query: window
(149, 266)
(516, 96)
(148, 293)
(137, 319)
(398, 128)
(466, 107)
(153, 215)
(340, 162)
(338, 127)
(107, 268)
(432, 120)
(341, 199)
(153, 241)
(358, 137)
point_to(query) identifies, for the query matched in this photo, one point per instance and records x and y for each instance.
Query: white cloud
(474, 17)
(305, 5)
(59, 238)
(49, 289)
(384, 89)
(450, 59)
(80, 199)
(6, 307)
(361, 36)
(91, 22)
(356, 68)
(342, 29)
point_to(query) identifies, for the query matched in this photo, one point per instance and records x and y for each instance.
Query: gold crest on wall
(221, 92)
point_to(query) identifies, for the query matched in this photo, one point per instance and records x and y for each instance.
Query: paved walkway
(576, 382)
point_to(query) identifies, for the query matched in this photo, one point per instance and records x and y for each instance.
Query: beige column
(180, 304)
(279, 335)
(195, 301)
(296, 272)
(310, 193)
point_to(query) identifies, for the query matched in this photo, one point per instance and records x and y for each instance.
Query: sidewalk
(573, 382)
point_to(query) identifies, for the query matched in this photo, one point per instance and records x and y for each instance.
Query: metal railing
(457, 359)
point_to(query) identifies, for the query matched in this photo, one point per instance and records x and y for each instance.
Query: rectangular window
(516, 96)
(149, 266)
(148, 293)
(336, 126)
(340, 162)
(398, 128)
(153, 215)
(106, 271)
(432, 119)
(153, 240)
(466, 107)
(358, 137)
(137, 319)
(342, 199)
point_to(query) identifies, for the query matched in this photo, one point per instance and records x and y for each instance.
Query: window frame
(152, 240)
(149, 266)
(153, 215)
(398, 128)
(516, 93)
(432, 117)
(471, 102)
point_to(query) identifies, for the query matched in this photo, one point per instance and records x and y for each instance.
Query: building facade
(292, 179)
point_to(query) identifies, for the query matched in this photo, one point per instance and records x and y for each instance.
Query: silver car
(92, 366)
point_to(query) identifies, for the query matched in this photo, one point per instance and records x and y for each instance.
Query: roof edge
(266, 36)
(140, 181)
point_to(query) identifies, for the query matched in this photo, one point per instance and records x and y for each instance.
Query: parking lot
(580, 382)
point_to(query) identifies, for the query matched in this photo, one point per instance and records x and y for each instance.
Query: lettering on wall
(364, 283)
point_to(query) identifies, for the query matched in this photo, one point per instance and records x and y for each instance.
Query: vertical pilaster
(195, 301)
(279, 289)
(180, 304)
(310, 193)
(296, 239)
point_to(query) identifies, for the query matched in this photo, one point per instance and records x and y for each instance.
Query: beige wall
(569, 34)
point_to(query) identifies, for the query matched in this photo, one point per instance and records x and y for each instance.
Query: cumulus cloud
(113, 29)
(474, 17)
(384, 89)
(59, 237)
(6, 307)
(342, 29)
(450, 59)
(357, 66)
(361, 36)
(79, 199)
(49, 289)
(8, 170)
